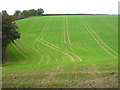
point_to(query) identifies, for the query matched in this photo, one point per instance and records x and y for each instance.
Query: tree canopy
(9, 33)
(27, 13)
(17, 13)
(40, 11)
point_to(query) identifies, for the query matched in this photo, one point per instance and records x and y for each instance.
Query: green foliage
(27, 13)
(17, 13)
(40, 11)
(9, 33)
(31, 12)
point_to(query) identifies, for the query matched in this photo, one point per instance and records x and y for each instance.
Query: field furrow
(110, 25)
(96, 39)
(46, 44)
(64, 50)
(24, 50)
(116, 28)
(19, 51)
(67, 33)
(101, 39)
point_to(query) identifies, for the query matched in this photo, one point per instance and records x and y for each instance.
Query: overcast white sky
(62, 6)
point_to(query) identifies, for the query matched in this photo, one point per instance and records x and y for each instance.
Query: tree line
(28, 13)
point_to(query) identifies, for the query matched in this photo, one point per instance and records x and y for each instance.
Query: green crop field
(69, 51)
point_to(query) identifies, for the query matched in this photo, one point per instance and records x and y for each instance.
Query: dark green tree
(17, 13)
(32, 12)
(40, 11)
(9, 33)
(25, 13)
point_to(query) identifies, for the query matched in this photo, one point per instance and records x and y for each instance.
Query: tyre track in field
(44, 30)
(64, 51)
(66, 32)
(101, 39)
(55, 48)
(69, 41)
(45, 43)
(19, 51)
(95, 38)
(41, 34)
(110, 25)
(24, 50)
(89, 29)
